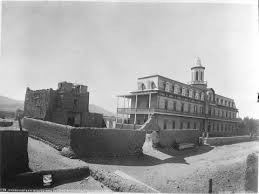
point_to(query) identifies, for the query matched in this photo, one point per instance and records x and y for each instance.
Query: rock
(68, 152)
(251, 174)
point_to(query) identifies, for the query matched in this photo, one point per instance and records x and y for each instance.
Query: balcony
(156, 110)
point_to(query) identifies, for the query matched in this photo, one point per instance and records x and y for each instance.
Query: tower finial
(197, 61)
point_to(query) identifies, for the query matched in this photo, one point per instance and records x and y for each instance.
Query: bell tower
(198, 74)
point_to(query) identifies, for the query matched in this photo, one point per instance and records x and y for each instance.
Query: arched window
(153, 85)
(197, 75)
(142, 86)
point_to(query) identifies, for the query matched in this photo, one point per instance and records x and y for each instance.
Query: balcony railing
(153, 110)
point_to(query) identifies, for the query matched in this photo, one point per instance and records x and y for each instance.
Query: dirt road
(163, 170)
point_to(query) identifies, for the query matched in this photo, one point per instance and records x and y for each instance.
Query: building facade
(178, 105)
(68, 105)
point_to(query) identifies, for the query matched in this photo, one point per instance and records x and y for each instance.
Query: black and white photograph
(149, 96)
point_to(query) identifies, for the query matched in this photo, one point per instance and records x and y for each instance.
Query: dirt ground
(164, 170)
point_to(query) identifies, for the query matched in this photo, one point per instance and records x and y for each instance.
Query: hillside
(8, 104)
(97, 109)
(11, 105)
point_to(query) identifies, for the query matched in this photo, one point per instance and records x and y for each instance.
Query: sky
(108, 45)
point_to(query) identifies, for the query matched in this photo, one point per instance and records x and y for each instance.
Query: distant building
(178, 105)
(67, 105)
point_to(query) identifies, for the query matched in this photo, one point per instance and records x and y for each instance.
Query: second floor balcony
(157, 110)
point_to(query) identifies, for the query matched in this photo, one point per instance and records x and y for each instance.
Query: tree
(249, 125)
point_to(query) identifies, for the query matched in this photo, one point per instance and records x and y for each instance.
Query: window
(173, 124)
(194, 125)
(164, 85)
(75, 102)
(153, 85)
(189, 107)
(195, 108)
(166, 104)
(196, 78)
(180, 90)
(187, 92)
(188, 125)
(181, 125)
(165, 124)
(182, 107)
(217, 100)
(214, 111)
(221, 101)
(201, 109)
(222, 127)
(217, 127)
(174, 106)
(201, 75)
(142, 86)
(167, 87)
(173, 88)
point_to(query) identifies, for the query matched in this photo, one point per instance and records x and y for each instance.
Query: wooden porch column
(117, 110)
(149, 104)
(136, 103)
(124, 109)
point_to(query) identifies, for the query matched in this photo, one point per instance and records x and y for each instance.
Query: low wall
(57, 134)
(13, 154)
(86, 141)
(168, 137)
(108, 142)
(226, 140)
(127, 126)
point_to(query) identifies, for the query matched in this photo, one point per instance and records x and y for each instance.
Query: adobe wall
(54, 133)
(226, 140)
(167, 138)
(13, 154)
(88, 141)
(108, 142)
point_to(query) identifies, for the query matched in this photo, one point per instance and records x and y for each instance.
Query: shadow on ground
(46, 179)
(149, 158)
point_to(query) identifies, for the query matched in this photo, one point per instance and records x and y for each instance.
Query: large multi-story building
(177, 105)
(68, 105)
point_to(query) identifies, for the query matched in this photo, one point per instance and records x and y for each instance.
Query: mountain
(97, 109)
(11, 105)
(8, 104)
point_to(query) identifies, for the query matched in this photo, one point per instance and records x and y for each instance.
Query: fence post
(210, 186)
(20, 124)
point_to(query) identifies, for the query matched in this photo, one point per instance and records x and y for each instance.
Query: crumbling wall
(150, 125)
(37, 103)
(13, 154)
(56, 134)
(168, 137)
(106, 142)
